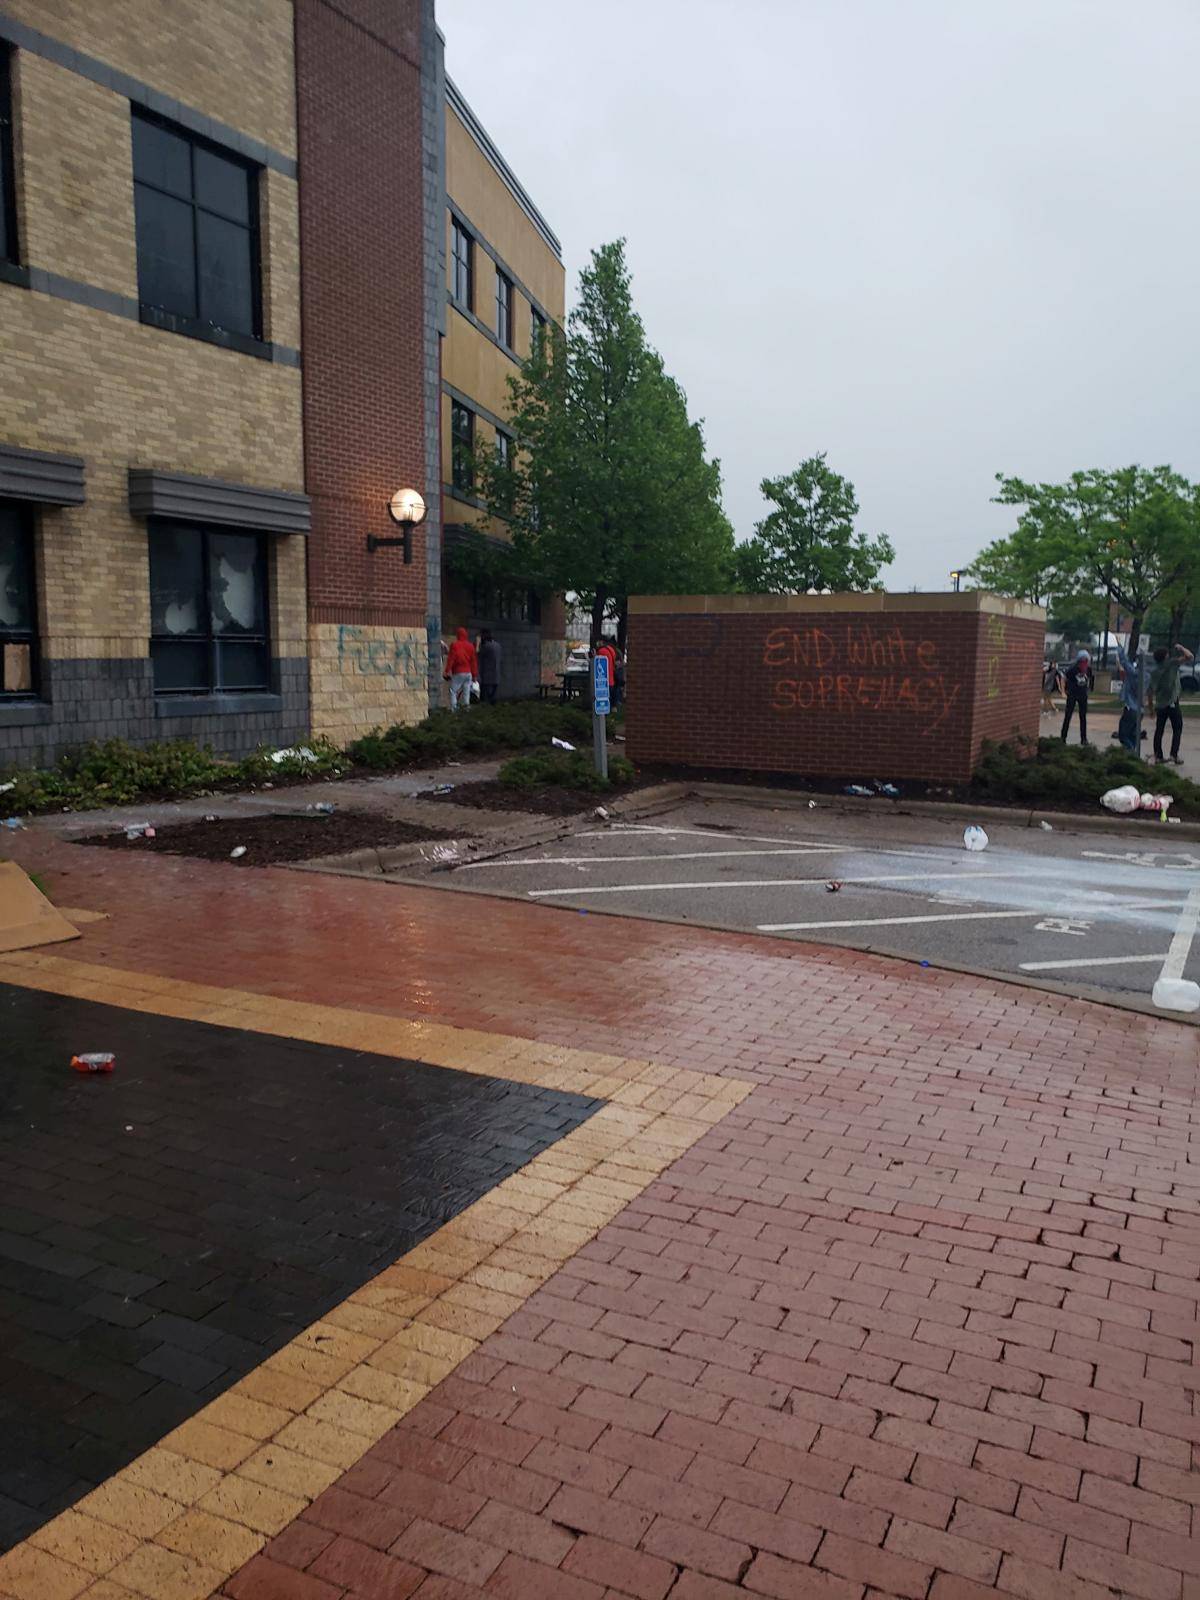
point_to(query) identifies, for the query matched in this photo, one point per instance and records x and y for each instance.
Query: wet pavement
(165, 1229)
(865, 1281)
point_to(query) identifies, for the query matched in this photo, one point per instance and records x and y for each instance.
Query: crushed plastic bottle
(440, 788)
(326, 808)
(139, 830)
(859, 789)
(1176, 994)
(94, 1061)
(888, 789)
(974, 838)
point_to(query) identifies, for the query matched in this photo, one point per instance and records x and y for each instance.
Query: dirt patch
(552, 801)
(275, 837)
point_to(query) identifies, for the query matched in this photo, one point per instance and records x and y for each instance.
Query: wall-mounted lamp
(407, 508)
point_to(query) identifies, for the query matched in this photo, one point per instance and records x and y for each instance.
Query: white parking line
(891, 922)
(1185, 932)
(1084, 961)
(771, 883)
(659, 855)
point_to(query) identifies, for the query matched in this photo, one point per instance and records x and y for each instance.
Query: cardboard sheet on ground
(26, 917)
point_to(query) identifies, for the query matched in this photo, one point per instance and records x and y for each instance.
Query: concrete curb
(372, 862)
(952, 810)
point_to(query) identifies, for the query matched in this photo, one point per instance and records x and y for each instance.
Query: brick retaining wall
(868, 686)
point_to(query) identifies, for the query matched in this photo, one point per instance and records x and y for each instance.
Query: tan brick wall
(120, 395)
(231, 59)
(75, 159)
(279, 211)
(366, 677)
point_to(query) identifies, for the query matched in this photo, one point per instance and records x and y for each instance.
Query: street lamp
(956, 579)
(406, 507)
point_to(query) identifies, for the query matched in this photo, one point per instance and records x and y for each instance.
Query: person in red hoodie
(601, 647)
(462, 667)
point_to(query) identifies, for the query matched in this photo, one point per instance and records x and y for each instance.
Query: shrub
(565, 769)
(514, 725)
(1050, 772)
(114, 773)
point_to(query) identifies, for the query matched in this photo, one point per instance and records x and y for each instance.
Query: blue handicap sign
(601, 702)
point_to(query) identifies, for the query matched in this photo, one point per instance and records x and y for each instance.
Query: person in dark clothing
(1078, 679)
(489, 668)
(1164, 689)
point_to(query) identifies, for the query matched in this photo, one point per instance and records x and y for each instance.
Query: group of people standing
(469, 669)
(1159, 683)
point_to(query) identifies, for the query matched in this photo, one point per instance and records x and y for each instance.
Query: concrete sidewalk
(910, 1313)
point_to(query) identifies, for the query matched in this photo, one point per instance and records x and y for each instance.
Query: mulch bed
(275, 837)
(551, 801)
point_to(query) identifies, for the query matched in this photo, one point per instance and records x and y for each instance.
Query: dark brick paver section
(163, 1230)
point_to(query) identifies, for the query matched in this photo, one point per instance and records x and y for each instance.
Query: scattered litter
(812, 805)
(1157, 802)
(139, 830)
(94, 1061)
(129, 1127)
(442, 856)
(268, 785)
(1122, 800)
(454, 763)
(5, 787)
(924, 963)
(1176, 994)
(325, 807)
(439, 788)
(211, 817)
(293, 753)
(238, 851)
(1173, 819)
(888, 789)
(858, 789)
(618, 738)
(974, 838)
(1046, 827)
(833, 885)
(601, 812)
(560, 744)
(15, 822)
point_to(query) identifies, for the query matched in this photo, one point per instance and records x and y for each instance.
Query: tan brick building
(195, 477)
(152, 504)
(505, 281)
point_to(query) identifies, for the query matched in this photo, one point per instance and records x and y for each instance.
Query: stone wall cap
(970, 600)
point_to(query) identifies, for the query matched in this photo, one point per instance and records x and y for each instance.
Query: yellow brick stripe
(180, 1520)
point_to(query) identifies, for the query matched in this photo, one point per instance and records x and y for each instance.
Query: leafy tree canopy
(808, 541)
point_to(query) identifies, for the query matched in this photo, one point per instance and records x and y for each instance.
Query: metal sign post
(601, 706)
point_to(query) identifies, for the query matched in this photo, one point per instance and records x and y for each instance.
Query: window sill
(244, 343)
(24, 713)
(215, 705)
(11, 272)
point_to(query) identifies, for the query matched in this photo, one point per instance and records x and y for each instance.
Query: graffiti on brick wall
(860, 668)
(378, 655)
(997, 630)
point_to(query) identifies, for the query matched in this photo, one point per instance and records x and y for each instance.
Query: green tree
(1077, 616)
(609, 492)
(1127, 535)
(808, 542)
(1012, 566)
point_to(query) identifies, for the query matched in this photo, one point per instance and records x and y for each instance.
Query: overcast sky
(935, 238)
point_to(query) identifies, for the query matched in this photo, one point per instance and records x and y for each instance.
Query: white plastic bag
(1122, 800)
(974, 838)
(1176, 994)
(474, 688)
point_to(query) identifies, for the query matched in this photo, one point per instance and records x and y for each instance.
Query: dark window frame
(209, 635)
(251, 343)
(505, 296)
(505, 602)
(462, 446)
(537, 328)
(462, 264)
(23, 515)
(504, 448)
(10, 243)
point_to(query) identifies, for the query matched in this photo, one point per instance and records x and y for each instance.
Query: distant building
(506, 283)
(224, 258)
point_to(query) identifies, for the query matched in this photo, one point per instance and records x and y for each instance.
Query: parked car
(1189, 677)
(577, 660)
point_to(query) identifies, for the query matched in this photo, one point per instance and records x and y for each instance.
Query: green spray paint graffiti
(403, 656)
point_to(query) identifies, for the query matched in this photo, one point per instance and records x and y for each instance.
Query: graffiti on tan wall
(377, 654)
(859, 669)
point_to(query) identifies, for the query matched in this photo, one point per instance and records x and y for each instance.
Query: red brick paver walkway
(916, 1319)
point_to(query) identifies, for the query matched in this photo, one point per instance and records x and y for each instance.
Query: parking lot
(1081, 910)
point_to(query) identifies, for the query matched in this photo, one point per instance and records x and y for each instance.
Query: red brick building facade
(857, 686)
